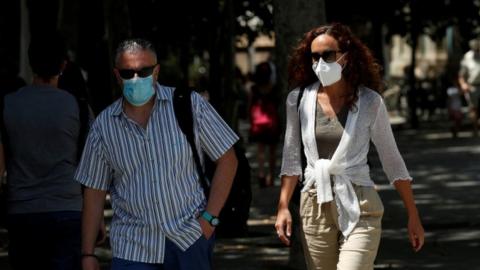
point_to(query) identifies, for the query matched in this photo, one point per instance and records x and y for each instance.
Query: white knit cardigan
(367, 121)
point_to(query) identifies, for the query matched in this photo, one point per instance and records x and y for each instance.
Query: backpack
(234, 215)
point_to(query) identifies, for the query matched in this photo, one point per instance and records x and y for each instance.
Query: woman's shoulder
(294, 92)
(371, 101)
(369, 96)
(368, 93)
(293, 96)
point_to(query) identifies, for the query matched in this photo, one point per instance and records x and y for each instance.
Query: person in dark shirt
(40, 131)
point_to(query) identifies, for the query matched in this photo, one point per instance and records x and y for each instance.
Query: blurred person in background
(264, 121)
(469, 80)
(454, 106)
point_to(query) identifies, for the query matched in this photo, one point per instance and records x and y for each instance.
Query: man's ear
(156, 71)
(117, 76)
(63, 66)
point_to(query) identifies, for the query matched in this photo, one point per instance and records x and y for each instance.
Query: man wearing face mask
(137, 152)
(469, 80)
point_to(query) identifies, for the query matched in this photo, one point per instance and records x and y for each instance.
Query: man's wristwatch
(213, 220)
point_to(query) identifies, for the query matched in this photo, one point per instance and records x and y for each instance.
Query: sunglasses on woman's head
(142, 73)
(328, 56)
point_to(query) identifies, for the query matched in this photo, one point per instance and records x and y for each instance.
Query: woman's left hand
(416, 234)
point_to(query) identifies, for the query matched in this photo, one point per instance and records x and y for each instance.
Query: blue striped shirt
(150, 173)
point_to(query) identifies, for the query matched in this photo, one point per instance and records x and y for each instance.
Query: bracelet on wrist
(84, 255)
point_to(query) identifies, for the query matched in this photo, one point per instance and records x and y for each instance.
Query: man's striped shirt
(151, 175)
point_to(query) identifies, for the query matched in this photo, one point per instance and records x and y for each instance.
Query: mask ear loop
(341, 56)
(343, 66)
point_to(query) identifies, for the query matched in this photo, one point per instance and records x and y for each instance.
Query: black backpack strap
(2, 121)
(302, 152)
(84, 115)
(3, 188)
(182, 105)
(3, 130)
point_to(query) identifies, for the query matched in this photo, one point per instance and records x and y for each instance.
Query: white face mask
(328, 73)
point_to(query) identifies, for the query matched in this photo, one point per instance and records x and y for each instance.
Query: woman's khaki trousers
(324, 245)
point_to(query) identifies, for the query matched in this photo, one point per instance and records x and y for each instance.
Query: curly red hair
(361, 68)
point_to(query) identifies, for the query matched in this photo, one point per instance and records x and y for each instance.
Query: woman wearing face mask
(332, 115)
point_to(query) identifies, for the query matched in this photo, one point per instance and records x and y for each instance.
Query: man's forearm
(222, 182)
(93, 203)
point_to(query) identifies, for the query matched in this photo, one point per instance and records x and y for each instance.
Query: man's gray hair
(133, 46)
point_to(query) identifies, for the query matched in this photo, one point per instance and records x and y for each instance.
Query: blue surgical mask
(138, 91)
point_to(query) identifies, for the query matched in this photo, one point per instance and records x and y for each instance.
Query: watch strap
(209, 217)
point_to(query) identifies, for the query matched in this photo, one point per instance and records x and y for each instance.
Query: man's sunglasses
(130, 73)
(328, 56)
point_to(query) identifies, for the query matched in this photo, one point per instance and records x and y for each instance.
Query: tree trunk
(10, 21)
(228, 64)
(92, 53)
(214, 54)
(117, 23)
(24, 68)
(101, 26)
(221, 56)
(291, 20)
(68, 23)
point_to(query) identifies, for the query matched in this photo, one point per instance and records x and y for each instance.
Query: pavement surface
(446, 174)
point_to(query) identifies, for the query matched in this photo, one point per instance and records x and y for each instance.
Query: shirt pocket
(182, 156)
(182, 151)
